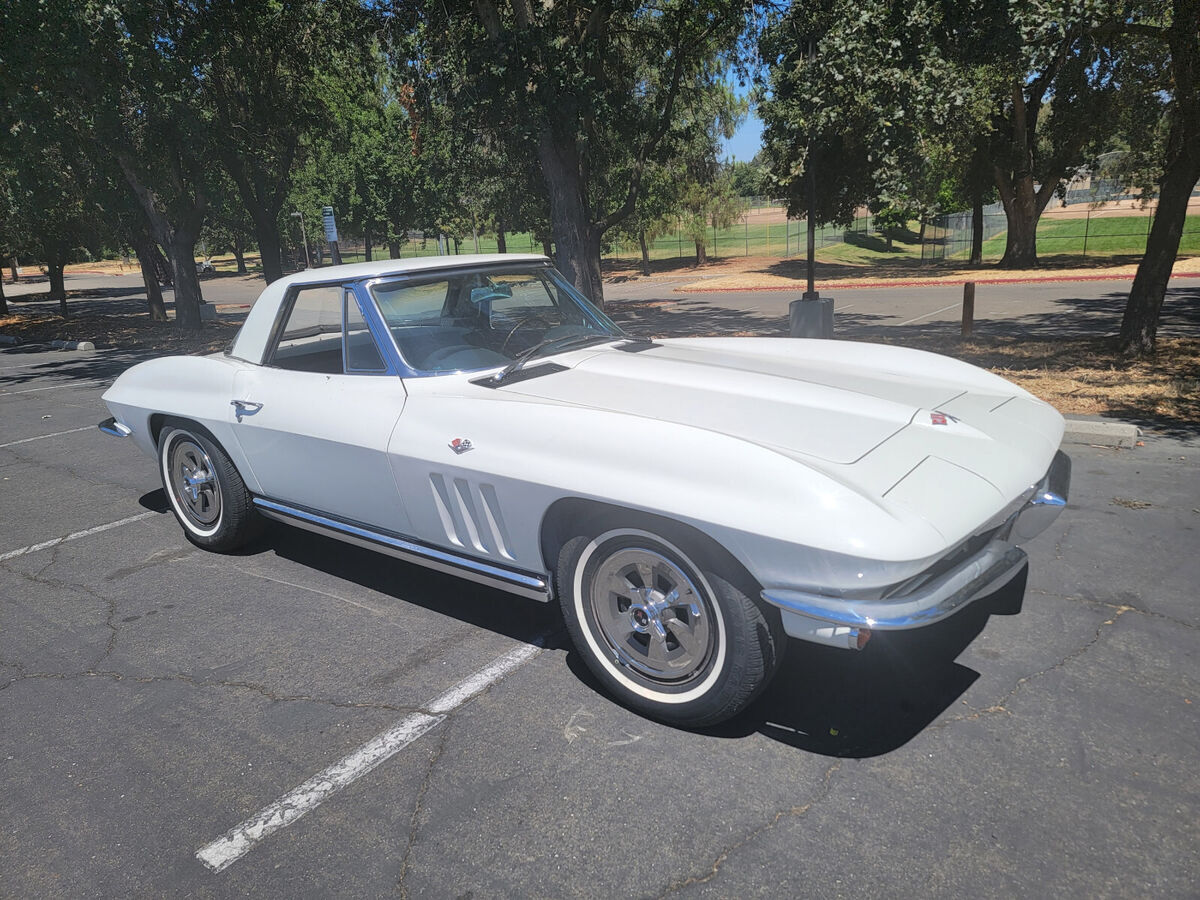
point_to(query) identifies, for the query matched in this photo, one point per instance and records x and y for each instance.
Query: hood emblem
(940, 418)
(461, 445)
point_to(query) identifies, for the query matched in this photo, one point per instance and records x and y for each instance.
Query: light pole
(304, 237)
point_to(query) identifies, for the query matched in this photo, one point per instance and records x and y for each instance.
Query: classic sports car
(690, 503)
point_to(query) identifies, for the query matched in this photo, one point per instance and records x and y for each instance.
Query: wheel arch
(570, 517)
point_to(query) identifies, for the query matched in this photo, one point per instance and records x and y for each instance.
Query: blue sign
(330, 224)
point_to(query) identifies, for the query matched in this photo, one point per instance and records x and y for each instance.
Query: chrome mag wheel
(651, 616)
(193, 481)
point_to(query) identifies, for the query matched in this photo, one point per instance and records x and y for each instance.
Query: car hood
(952, 431)
(770, 392)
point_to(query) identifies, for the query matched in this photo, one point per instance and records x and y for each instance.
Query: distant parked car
(689, 503)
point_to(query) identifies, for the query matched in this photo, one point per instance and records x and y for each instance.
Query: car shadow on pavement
(856, 705)
(447, 595)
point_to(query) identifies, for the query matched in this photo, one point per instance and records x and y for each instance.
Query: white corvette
(690, 503)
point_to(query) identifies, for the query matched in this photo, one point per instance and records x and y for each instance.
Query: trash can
(811, 316)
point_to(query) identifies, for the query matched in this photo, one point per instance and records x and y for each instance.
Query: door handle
(244, 408)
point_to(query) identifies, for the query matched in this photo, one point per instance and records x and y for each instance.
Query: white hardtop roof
(380, 268)
(252, 339)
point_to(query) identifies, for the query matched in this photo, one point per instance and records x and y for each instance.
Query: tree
(267, 66)
(1175, 29)
(1024, 83)
(590, 89)
(749, 179)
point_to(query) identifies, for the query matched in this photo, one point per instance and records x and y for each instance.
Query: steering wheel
(523, 322)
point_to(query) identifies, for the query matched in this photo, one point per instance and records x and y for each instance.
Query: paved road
(154, 696)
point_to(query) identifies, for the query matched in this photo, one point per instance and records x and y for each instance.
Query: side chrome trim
(115, 428)
(525, 584)
(988, 570)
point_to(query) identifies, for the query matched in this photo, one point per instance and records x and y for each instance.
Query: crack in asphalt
(201, 683)
(1123, 606)
(418, 806)
(46, 465)
(109, 603)
(1001, 706)
(793, 812)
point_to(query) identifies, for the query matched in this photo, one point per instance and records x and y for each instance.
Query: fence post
(746, 222)
(1087, 225)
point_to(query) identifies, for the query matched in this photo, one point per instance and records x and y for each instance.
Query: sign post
(331, 235)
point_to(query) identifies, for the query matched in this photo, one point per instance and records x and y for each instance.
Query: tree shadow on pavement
(82, 366)
(692, 318)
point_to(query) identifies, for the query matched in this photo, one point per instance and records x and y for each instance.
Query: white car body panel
(828, 469)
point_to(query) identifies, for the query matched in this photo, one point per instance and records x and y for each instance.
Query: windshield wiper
(563, 342)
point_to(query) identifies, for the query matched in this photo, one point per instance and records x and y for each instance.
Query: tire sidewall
(683, 704)
(171, 434)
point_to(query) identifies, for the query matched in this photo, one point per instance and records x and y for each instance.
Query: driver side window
(325, 332)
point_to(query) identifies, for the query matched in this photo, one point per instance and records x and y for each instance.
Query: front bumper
(966, 573)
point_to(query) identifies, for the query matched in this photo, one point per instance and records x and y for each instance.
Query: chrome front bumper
(838, 620)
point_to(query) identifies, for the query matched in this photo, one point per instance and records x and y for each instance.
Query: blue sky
(747, 140)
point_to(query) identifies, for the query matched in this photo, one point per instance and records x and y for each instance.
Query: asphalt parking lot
(153, 698)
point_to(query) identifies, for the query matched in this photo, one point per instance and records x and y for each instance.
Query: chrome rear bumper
(837, 620)
(115, 428)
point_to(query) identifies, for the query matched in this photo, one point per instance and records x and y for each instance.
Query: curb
(1120, 435)
(8, 340)
(72, 345)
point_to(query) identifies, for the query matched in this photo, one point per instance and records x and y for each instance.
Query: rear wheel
(664, 635)
(207, 494)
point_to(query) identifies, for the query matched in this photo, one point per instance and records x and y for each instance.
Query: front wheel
(665, 636)
(207, 493)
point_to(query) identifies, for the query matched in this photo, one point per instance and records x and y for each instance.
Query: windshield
(475, 319)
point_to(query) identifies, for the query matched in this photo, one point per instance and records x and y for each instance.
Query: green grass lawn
(858, 246)
(1116, 236)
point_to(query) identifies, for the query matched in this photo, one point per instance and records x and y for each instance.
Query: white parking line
(73, 536)
(42, 437)
(928, 314)
(241, 839)
(52, 387)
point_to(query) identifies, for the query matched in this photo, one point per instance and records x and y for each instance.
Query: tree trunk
(501, 241)
(146, 251)
(701, 254)
(367, 248)
(571, 227)
(547, 248)
(1139, 325)
(163, 268)
(16, 276)
(394, 249)
(1020, 242)
(645, 251)
(270, 247)
(239, 253)
(976, 229)
(188, 296)
(3, 301)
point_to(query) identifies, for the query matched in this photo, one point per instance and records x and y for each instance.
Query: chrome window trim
(350, 294)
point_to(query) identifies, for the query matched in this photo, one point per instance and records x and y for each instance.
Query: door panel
(320, 441)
